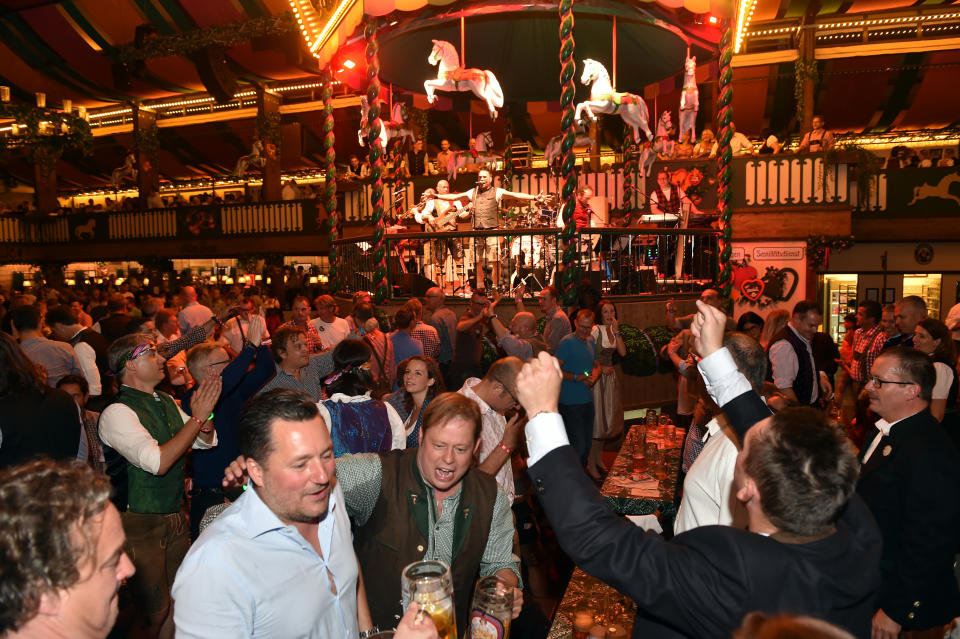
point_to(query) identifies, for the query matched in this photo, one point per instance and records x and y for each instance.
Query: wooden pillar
(45, 187)
(268, 104)
(146, 152)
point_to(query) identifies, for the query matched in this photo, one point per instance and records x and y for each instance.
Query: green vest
(159, 416)
(397, 531)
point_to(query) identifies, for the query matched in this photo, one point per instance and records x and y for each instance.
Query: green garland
(146, 140)
(222, 35)
(45, 149)
(866, 165)
(268, 127)
(421, 118)
(817, 246)
(803, 70)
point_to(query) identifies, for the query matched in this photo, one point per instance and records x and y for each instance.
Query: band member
(668, 203)
(486, 199)
(441, 216)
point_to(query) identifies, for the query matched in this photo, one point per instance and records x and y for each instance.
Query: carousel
(495, 71)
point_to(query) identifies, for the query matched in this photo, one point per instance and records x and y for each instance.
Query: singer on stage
(486, 200)
(668, 203)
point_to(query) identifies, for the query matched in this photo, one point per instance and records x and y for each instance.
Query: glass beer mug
(430, 585)
(492, 609)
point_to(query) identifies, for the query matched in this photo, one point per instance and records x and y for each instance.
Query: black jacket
(911, 484)
(703, 582)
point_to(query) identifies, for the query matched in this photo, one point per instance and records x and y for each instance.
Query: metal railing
(614, 261)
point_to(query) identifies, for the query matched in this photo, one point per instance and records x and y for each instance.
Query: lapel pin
(887, 450)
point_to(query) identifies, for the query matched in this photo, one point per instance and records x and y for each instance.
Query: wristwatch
(369, 633)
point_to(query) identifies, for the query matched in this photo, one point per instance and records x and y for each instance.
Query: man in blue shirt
(577, 353)
(404, 344)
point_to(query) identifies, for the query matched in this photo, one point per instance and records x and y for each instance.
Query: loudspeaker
(415, 285)
(212, 68)
(534, 278)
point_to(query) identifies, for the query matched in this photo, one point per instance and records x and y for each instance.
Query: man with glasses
(241, 381)
(499, 437)
(148, 437)
(909, 478)
(247, 325)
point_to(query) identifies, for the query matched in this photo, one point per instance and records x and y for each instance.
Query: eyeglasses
(876, 381)
(222, 361)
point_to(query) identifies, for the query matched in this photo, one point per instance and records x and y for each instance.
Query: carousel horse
(664, 124)
(483, 154)
(129, 169)
(254, 158)
(603, 99)
(552, 151)
(452, 77)
(393, 129)
(689, 100)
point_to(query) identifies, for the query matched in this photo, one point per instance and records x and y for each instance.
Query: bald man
(192, 312)
(520, 339)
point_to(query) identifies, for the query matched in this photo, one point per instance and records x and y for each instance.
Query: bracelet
(199, 423)
(505, 449)
(617, 335)
(206, 430)
(369, 633)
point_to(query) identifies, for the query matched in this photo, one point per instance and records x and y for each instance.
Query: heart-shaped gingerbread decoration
(752, 289)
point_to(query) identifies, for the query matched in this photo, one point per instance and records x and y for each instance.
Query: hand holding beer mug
(429, 584)
(492, 609)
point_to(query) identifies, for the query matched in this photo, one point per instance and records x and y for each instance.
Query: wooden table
(628, 497)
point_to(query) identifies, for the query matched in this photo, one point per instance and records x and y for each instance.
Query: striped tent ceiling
(67, 49)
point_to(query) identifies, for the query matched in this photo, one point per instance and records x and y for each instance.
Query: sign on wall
(768, 275)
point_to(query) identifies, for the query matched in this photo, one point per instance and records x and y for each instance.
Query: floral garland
(147, 141)
(817, 246)
(66, 131)
(803, 70)
(222, 35)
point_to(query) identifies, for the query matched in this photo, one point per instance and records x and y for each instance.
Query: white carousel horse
(255, 158)
(394, 128)
(452, 77)
(552, 151)
(484, 156)
(603, 99)
(664, 124)
(689, 100)
(129, 169)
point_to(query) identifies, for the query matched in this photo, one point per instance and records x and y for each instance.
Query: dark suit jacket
(914, 493)
(704, 581)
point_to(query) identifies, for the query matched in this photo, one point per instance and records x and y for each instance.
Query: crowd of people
(247, 477)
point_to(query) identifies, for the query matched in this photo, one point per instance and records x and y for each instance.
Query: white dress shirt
(121, 430)
(88, 364)
(709, 496)
(491, 434)
(884, 427)
(783, 360)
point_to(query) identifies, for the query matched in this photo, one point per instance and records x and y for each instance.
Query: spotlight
(713, 19)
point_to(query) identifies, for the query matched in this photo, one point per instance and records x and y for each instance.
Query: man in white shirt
(791, 356)
(152, 435)
(499, 437)
(247, 325)
(332, 329)
(709, 496)
(192, 313)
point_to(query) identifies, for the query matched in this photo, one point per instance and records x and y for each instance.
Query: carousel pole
(508, 150)
(627, 170)
(330, 185)
(724, 157)
(568, 202)
(380, 283)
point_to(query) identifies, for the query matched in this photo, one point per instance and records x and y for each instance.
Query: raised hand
(538, 385)
(236, 473)
(708, 327)
(206, 396)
